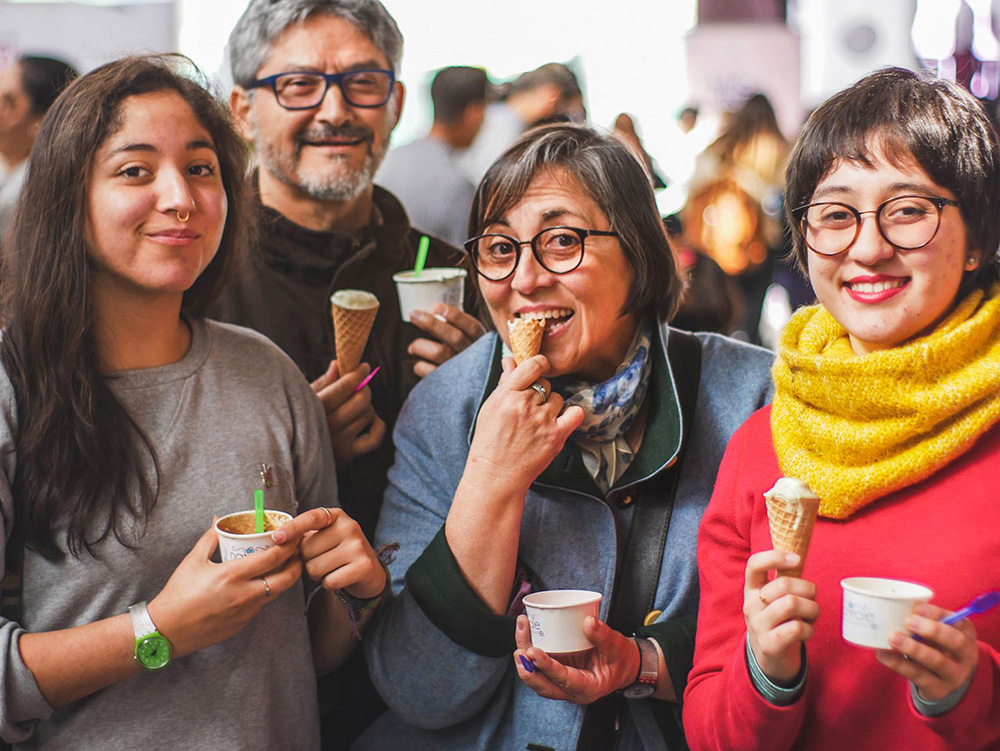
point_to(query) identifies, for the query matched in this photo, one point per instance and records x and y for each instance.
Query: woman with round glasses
(558, 473)
(886, 404)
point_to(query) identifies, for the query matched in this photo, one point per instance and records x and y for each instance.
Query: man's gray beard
(340, 185)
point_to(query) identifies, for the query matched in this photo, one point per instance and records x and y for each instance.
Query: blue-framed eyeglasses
(304, 90)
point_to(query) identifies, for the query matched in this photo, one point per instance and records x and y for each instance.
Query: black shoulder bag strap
(636, 581)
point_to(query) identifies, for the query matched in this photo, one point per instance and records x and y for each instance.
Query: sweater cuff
(438, 587)
(780, 696)
(941, 706)
(676, 639)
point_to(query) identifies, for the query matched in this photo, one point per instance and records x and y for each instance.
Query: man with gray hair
(315, 89)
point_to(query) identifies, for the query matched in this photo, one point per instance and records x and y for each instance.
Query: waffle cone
(785, 534)
(351, 327)
(525, 338)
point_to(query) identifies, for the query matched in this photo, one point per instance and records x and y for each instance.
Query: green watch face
(153, 651)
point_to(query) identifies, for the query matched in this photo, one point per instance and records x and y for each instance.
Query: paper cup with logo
(874, 608)
(427, 290)
(237, 535)
(556, 618)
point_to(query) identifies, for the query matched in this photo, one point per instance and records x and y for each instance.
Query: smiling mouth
(871, 288)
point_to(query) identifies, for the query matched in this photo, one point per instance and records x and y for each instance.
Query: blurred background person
(733, 211)
(547, 92)
(424, 174)
(27, 90)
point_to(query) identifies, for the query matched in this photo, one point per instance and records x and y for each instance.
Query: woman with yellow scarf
(887, 399)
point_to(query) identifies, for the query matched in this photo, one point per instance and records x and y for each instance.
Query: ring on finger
(544, 392)
(267, 589)
(329, 517)
(763, 599)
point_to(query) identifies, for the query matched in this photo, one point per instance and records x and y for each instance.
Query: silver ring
(267, 589)
(541, 390)
(329, 517)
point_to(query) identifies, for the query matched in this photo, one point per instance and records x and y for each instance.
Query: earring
(972, 263)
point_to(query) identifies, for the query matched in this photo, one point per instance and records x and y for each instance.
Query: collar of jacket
(661, 441)
(387, 230)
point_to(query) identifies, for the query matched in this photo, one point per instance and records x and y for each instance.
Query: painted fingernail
(527, 664)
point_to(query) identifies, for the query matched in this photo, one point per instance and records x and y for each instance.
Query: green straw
(425, 243)
(258, 507)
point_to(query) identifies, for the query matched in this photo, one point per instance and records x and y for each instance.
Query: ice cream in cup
(422, 290)
(556, 616)
(874, 608)
(238, 536)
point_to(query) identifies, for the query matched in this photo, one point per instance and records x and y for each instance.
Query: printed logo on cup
(556, 618)
(874, 608)
(237, 535)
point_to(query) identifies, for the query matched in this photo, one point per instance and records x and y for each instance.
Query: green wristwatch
(152, 649)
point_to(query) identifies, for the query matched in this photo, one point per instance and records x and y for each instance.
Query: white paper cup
(874, 608)
(232, 545)
(556, 618)
(427, 290)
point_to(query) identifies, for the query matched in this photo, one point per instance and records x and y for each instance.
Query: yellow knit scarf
(857, 428)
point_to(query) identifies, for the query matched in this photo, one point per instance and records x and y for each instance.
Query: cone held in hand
(792, 509)
(353, 315)
(525, 337)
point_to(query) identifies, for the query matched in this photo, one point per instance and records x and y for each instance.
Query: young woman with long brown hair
(127, 421)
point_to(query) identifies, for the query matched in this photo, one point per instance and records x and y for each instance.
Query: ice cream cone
(791, 512)
(353, 315)
(525, 337)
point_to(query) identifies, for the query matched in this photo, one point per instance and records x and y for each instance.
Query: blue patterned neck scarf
(609, 410)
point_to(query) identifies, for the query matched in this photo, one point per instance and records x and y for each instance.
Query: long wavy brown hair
(81, 461)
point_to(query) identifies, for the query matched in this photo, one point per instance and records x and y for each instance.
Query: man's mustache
(331, 132)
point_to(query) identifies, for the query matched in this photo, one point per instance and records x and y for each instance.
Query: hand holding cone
(525, 337)
(354, 313)
(792, 509)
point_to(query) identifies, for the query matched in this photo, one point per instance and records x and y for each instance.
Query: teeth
(873, 287)
(539, 315)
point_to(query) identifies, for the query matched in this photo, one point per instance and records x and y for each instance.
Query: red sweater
(943, 532)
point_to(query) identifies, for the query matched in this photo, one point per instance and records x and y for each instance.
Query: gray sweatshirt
(234, 402)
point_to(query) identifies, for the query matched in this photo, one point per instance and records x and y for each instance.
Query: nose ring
(182, 216)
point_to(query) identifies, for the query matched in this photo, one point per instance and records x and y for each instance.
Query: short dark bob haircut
(612, 177)
(901, 116)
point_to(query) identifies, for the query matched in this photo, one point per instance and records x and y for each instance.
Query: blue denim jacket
(438, 655)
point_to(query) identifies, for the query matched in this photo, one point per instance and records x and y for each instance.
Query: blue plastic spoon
(979, 604)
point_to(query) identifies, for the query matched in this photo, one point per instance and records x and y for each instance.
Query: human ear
(239, 105)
